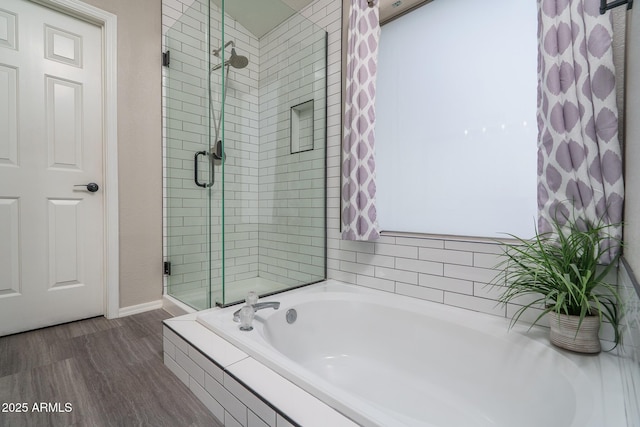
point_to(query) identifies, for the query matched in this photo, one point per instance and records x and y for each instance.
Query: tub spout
(258, 306)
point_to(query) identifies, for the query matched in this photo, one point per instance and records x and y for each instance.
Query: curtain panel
(579, 153)
(359, 218)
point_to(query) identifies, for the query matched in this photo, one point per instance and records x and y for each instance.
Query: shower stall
(244, 102)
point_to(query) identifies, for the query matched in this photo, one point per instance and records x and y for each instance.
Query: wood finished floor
(110, 371)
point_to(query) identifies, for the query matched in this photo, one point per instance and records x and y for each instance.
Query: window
(456, 119)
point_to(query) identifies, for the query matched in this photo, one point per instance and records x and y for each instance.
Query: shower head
(237, 61)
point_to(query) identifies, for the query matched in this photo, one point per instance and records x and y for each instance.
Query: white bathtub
(386, 360)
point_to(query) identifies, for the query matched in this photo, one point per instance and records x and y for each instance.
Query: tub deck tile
(304, 409)
(209, 343)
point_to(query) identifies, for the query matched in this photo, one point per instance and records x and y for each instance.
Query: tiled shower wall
(292, 184)
(273, 199)
(242, 145)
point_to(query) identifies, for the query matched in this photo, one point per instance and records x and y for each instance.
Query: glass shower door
(192, 229)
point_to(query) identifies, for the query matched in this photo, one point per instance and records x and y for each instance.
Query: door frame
(109, 25)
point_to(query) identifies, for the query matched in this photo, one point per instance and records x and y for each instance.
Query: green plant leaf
(559, 270)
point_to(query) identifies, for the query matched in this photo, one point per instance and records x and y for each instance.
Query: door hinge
(166, 58)
(166, 269)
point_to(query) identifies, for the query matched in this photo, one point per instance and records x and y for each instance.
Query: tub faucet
(257, 306)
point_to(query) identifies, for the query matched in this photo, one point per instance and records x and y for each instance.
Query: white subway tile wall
(292, 185)
(446, 271)
(240, 128)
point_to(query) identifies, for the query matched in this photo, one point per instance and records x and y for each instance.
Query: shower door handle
(195, 170)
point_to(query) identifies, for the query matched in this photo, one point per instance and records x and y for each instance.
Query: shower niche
(302, 127)
(243, 209)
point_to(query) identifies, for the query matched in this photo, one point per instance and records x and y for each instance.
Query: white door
(51, 139)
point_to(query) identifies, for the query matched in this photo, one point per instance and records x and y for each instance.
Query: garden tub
(383, 359)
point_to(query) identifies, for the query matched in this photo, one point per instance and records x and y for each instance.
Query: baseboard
(139, 308)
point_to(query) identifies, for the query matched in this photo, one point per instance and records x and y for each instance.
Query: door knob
(91, 187)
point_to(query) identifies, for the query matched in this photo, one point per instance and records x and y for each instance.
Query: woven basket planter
(563, 333)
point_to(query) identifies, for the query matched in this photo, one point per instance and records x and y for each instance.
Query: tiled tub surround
(630, 350)
(237, 389)
(427, 359)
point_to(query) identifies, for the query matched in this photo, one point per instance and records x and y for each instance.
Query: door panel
(8, 33)
(51, 145)
(64, 123)
(10, 247)
(65, 243)
(8, 116)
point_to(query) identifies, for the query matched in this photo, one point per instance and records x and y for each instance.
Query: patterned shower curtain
(579, 154)
(359, 220)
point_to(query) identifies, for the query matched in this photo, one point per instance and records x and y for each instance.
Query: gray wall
(139, 148)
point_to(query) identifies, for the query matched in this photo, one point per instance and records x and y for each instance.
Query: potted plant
(559, 273)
